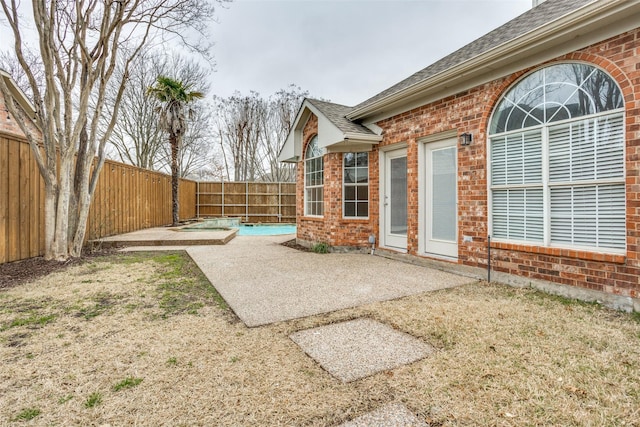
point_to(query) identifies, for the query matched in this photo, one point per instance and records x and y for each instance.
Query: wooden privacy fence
(127, 198)
(251, 201)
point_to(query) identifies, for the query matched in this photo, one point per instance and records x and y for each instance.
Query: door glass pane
(398, 196)
(444, 212)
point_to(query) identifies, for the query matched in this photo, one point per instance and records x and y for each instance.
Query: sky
(345, 51)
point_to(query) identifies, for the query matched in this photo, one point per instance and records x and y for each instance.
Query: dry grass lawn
(143, 339)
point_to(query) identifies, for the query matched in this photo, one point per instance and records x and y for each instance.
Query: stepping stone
(360, 348)
(391, 415)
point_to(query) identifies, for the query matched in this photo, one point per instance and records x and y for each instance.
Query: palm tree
(174, 95)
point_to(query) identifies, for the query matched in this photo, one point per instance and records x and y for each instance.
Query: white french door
(394, 200)
(441, 198)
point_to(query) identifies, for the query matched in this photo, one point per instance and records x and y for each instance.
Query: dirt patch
(168, 355)
(15, 273)
(18, 272)
(294, 245)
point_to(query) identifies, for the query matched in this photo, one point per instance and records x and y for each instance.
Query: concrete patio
(265, 282)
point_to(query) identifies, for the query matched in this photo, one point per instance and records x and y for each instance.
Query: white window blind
(518, 214)
(588, 216)
(517, 159)
(586, 150)
(559, 178)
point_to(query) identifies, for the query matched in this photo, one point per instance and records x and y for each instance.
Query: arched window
(557, 160)
(313, 179)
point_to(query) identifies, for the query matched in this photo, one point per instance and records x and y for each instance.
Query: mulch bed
(18, 272)
(15, 273)
(294, 245)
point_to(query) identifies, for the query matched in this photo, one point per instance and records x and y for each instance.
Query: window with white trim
(557, 161)
(313, 179)
(355, 190)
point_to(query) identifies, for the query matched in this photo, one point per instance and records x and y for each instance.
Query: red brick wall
(331, 228)
(470, 112)
(9, 124)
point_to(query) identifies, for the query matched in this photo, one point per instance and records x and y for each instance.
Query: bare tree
(9, 62)
(251, 131)
(283, 107)
(237, 121)
(80, 43)
(136, 136)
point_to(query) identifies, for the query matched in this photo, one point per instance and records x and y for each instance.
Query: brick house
(526, 140)
(8, 124)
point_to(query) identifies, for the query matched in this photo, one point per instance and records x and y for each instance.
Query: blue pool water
(265, 229)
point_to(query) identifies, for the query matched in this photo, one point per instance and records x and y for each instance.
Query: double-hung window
(313, 179)
(355, 178)
(557, 161)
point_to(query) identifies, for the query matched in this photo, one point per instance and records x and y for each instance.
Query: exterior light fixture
(466, 139)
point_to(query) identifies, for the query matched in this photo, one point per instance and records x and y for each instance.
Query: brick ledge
(567, 253)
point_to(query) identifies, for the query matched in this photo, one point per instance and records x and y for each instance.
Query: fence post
(279, 202)
(222, 201)
(246, 201)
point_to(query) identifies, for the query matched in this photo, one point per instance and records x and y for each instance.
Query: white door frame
(426, 246)
(395, 242)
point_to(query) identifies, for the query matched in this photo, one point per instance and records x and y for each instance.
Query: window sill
(567, 253)
(312, 218)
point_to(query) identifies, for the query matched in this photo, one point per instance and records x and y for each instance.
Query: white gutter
(362, 137)
(592, 12)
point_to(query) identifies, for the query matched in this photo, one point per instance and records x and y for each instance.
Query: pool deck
(167, 236)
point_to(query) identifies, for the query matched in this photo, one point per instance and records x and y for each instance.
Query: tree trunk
(49, 218)
(79, 181)
(173, 140)
(83, 203)
(61, 241)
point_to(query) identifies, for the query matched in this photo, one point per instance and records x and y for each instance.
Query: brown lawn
(144, 339)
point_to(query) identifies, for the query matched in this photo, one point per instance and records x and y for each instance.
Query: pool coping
(167, 236)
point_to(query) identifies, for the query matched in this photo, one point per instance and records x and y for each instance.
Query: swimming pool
(265, 229)
(243, 229)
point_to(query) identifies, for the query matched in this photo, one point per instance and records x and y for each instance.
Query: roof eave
(557, 30)
(18, 94)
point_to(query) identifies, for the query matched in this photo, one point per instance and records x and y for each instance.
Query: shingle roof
(528, 21)
(336, 114)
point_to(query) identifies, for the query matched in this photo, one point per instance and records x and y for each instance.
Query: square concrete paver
(391, 415)
(359, 348)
